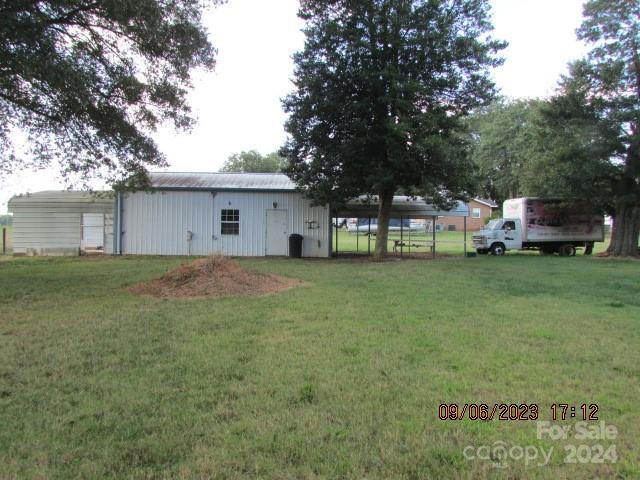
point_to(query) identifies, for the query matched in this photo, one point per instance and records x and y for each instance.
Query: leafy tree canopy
(578, 150)
(604, 90)
(254, 162)
(381, 87)
(557, 148)
(505, 141)
(87, 80)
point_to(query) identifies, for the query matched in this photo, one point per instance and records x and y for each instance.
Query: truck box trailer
(548, 225)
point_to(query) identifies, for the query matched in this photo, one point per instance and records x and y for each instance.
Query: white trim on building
(488, 203)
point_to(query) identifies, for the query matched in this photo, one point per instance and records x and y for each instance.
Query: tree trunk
(612, 238)
(625, 232)
(385, 203)
(624, 240)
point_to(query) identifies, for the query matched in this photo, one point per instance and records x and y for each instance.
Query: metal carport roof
(363, 206)
(402, 206)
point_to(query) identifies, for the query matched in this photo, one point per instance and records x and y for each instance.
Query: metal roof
(61, 196)
(487, 202)
(221, 181)
(269, 182)
(413, 207)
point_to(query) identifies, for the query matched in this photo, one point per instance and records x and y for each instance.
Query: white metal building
(62, 223)
(235, 214)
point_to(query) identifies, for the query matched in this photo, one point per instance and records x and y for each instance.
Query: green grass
(341, 378)
(446, 242)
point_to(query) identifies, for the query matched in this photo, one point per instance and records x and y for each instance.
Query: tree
(88, 80)
(254, 162)
(505, 141)
(381, 90)
(561, 147)
(610, 77)
(578, 149)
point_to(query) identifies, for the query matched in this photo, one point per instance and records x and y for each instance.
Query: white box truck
(548, 225)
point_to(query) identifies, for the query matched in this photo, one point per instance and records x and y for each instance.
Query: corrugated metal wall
(37, 229)
(108, 233)
(157, 223)
(51, 225)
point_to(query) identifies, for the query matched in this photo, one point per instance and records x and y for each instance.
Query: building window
(475, 213)
(230, 222)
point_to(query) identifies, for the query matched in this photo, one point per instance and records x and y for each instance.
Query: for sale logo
(583, 432)
(582, 442)
(501, 454)
(579, 431)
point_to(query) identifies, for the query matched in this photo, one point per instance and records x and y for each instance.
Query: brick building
(479, 210)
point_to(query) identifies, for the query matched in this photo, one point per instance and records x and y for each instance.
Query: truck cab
(498, 236)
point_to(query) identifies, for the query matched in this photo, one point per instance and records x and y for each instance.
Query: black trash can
(295, 245)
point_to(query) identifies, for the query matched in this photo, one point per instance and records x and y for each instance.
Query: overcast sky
(238, 105)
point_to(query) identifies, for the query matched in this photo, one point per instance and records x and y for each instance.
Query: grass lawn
(341, 378)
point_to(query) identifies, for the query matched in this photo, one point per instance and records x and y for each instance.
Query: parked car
(361, 225)
(418, 225)
(352, 224)
(339, 222)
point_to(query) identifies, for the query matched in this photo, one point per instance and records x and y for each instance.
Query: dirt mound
(214, 276)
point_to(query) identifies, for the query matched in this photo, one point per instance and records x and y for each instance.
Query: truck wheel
(588, 250)
(498, 249)
(567, 250)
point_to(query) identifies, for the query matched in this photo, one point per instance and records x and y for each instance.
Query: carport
(403, 207)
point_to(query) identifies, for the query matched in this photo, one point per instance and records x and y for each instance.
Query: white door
(512, 235)
(92, 230)
(277, 232)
